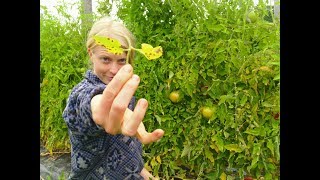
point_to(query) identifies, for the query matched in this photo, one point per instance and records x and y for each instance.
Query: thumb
(146, 138)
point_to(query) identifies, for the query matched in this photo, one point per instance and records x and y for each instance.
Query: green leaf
(266, 104)
(225, 98)
(268, 176)
(255, 132)
(256, 149)
(158, 119)
(220, 143)
(233, 147)
(243, 100)
(270, 145)
(275, 63)
(222, 99)
(277, 143)
(277, 77)
(254, 161)
(209, 155)
(186, 150)
(170, 74)
(217, 28)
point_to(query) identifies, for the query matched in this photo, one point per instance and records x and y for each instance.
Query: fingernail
(143, 102)
(135, 77)
(127, 68)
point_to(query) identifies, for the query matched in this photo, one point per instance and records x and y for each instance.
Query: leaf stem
(128, 55)
(129, 49)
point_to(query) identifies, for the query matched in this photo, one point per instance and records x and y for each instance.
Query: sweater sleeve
(78, 114)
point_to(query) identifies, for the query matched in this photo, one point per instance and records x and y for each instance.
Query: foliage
(214, 57)
(63, 58)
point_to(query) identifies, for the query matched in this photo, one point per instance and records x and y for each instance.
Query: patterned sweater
(95, 154)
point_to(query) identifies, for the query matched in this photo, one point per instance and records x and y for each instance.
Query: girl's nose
(114, 68)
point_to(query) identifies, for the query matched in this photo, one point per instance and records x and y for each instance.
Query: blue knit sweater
(96, 154)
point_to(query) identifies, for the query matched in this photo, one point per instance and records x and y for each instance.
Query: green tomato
(175, 96)
(82, 70)
(252, 17)
(208, 112)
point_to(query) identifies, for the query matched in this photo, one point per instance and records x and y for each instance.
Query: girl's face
(106, 64)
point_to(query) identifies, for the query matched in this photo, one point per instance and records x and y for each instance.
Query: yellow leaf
(150, 52)
(158, 159)
(265, 68)
(153, 162)
(213, 146)
(223, 176)
(112, 45)
(147, 166)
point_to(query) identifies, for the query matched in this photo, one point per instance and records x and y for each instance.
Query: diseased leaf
(112, 45)
(150, 52)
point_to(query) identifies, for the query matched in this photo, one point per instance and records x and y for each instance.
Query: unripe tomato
(82, 70)
(252, 17)
(45, 81)
(175, 96)
(208, 112)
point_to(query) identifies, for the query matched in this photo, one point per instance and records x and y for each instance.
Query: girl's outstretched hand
(109, 109)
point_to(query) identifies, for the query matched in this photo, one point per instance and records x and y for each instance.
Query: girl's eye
(105, 59)
(122, 61)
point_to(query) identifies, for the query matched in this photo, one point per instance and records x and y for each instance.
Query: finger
(131, 125)
(146, 138)
(115, 85)
(121, 103)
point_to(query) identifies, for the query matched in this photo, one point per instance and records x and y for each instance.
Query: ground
(56, 167)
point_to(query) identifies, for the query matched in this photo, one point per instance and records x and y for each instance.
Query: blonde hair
(112, 29)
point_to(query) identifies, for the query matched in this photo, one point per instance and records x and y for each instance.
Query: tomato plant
(212, 56)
